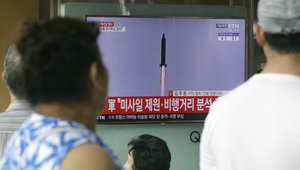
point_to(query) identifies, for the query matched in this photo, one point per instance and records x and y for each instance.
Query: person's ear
(98, 80)
(259, 34)
(4, 78)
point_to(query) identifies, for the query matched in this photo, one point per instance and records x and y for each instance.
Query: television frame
(195, 119)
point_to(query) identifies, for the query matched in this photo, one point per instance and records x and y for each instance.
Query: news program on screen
(169, 69)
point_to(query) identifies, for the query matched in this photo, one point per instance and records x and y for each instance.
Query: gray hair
(13, 73)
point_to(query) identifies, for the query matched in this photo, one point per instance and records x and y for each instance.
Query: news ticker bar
(151, 117)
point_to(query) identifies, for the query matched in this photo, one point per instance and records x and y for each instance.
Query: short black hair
(149, 153)
(56, 58)
(13, 73)
(284, 43)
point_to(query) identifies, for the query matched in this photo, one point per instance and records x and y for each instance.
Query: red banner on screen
(106, 24)
(158, 104)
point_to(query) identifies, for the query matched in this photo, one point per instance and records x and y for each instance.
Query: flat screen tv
(168, 69)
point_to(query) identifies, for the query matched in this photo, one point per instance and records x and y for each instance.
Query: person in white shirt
(256, 126)
(19, 109)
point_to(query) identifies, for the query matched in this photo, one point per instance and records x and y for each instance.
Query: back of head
(280, 20)
(13, 74)
(150, 153)
(56, 59)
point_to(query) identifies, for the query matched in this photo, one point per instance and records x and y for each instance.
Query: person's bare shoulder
(87, 156)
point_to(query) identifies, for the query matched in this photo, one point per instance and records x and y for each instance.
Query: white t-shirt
(254, 127)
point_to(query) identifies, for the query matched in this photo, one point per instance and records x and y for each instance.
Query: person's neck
(282, 63)
(81, 113)
(14, 97)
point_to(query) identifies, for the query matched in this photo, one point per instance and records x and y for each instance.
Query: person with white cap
(256, 126)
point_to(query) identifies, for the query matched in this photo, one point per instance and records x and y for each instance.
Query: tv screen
(169, 69)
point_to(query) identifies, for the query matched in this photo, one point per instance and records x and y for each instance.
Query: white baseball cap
(279, 16)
